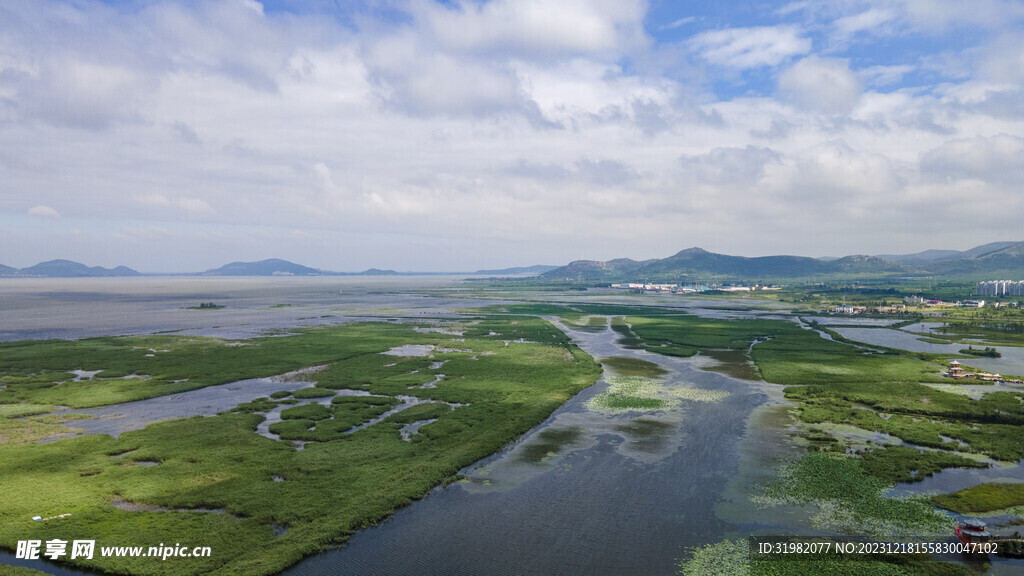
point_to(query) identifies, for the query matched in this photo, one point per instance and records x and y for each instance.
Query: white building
(1001, 288)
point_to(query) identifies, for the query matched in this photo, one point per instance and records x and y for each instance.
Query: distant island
(207, 306)
(518, 271)
(66, 269)
(271, 267)
(988, 351)
(994, 260)
(278, 267)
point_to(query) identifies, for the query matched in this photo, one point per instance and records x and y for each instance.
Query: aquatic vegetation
(804, 357)
(728, 557)
(904, 464)
(548, 443)
(339, 483)
(425, 411)
(699, 394)
(22, 410)
(848, 499)
(19, 571)
(307, 412)
(630, 393)
(40, 371)
(735, 557)
(627, 338)
(919, 414)
(734, 363)
(312, 392)
(693, 332)
(624, 366)
(586, 323)
(982, 498)
(961, 389)
(647, 434)
(261, 404)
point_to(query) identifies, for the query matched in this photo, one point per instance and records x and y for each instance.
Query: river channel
(586, 492)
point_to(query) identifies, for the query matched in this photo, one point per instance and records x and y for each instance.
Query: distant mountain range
(271, 267)
(66, 269)
(1002, 259)
(278, 267)
(518, 271)
(998, 260)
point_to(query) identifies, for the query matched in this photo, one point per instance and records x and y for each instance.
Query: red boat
(972, 532)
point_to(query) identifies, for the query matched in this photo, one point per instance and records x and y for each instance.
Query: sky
(451, 136)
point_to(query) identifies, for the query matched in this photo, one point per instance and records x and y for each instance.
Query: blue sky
(177, 136)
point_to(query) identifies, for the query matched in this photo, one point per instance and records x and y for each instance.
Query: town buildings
(1001, 288)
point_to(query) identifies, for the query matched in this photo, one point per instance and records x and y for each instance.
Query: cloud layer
(481, 134)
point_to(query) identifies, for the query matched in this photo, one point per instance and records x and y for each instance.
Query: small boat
(972, 532)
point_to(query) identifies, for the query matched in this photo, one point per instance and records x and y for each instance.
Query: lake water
(1011, 362)
(71, 308)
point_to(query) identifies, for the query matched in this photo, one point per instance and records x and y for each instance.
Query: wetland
(417, 426)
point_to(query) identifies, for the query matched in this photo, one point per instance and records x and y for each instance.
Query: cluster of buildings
(919, 301)
(672, 288)
(956, 371)
(689, 288)
(1001, 288)
(850, 310)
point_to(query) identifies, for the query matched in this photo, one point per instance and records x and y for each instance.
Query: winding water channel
(586, 492)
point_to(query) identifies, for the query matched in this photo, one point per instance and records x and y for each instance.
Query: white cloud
(224, 129)
(1002, 61)
(678, 23)
(535, 28)
(43, 212)
(996, 160)
(187, 205)
(730, 166)
(885, 75)
(935, 16)
(755, 47)
(417, 80)
(867, 20)
(821, 85)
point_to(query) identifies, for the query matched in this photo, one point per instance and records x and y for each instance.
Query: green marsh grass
(630, 393)
(848, 499)
(904, 464)
(983, 498)
(624, 366)
(734, 558)
(339, 483)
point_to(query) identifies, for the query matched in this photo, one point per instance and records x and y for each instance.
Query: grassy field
(982, 498)
(40, 371)
(259, 503)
